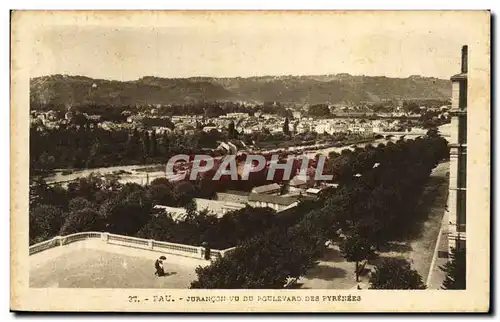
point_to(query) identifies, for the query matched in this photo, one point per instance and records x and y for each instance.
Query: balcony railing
(133, 242)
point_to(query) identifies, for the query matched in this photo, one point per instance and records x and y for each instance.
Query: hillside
(65, 90)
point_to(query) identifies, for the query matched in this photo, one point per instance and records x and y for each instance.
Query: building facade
(458, 157)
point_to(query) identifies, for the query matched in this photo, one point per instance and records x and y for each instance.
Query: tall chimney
(464, 59)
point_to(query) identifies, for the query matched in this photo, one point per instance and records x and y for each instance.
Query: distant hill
(75, 90)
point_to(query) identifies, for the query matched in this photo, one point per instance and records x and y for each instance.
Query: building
(298, 183)
(218, 208)
(237, 115)
(313, 191)
(268, 189)
(177, 213)
(233, 196)
(297, 115)
(277, 203)
(458, 157)
(215, 207)
(209, 128)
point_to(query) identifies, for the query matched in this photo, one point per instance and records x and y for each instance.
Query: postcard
(250, 161)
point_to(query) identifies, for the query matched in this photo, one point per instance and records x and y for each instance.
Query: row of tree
(88, 148)
(366, 212)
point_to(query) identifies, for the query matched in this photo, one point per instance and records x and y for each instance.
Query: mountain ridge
(312, 89)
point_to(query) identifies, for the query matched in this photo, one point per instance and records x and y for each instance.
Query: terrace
(101, 260)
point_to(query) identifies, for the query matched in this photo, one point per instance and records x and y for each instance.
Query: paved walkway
(93, 264)
(332, 272)
(436, 275)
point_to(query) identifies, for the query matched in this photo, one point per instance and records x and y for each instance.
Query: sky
(392, 45)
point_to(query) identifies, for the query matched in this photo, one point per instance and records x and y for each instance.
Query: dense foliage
(395, 274)
(71, 147)
(95, 203)
(377, 206)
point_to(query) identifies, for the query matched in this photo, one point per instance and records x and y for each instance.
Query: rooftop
(279, 200)
(459, 77)
(87, 264)
(266, 188)
(236, 192)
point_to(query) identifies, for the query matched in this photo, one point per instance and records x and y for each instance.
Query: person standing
(160, 271)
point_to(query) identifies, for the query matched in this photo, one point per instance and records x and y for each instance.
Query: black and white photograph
(319, 156)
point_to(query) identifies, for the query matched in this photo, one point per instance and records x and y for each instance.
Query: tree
(319, 110)
(86, 187)
(80, 203)
(153, 144)
(128, 211)
(455, 270)
(356, 248)
(165, 142)
(191, 208)
(41, 193)
(286, 127)
(184, 192)
(161, 193)
(265, 261)
(146, 143)
(232, 133)
(44, 222)
(133, 145)
(395, 274)
(82, 220)
(161, 227)
(433, 132)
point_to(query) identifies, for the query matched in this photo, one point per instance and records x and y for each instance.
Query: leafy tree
(184, 192)
(191, 208)
(395, 274)
(133, 145)
(161, 193)
(86, 187)
(286, 127)
(41, 193)
(44, 222)
(232, 133)
(146, 144)
(319, 110)
(161, 227)
(265, 261)
(80, 203)
(127, 212)
(356, 248)
(153, 143)
(433, 132)
(82, 220)
(455, 270)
